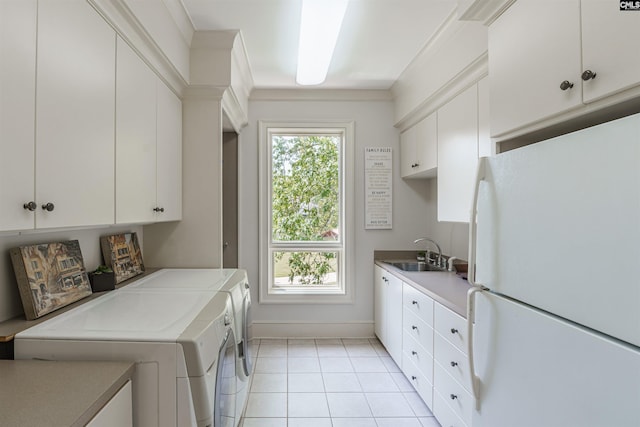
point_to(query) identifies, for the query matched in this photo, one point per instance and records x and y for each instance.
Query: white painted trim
(293, 329)
(127, 25)
(233, 108)
(469, 76)
(486, 11)
(320, 95)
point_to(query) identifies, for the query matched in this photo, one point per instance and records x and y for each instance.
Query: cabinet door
(379, 298)
(117, 412)
(135, 138)
(169, 155)
(74, 115)
(394, 318)
(457, 155)
(534, 46)
(419, 149)
(17, 111)
(609, 48)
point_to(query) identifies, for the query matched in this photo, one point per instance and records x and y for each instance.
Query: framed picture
(122, 253)
(50, 276)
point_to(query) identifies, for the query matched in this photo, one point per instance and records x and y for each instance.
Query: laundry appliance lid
(185, 278)
(155, 316)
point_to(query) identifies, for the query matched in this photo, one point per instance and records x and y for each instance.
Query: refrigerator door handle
(475, 381)
(473, 228)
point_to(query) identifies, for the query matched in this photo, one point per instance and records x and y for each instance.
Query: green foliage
(305, 203)
(102, 269)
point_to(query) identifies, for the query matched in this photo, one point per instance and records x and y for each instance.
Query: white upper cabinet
(609, 48)
(148, 144)
(75, 109)
(419, 149)
(169, 155)
(549, 57)
(135, 138)
(534, 47)
(457, 155)
(17, 113)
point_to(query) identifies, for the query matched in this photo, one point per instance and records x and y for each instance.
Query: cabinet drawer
(444, 414)
(418, 303)
(454, 361)
(420, 357)
(456, 396)
(418, 380)
(418, 329)
(451, 326)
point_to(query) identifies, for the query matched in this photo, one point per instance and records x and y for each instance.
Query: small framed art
(50, 276)
(122, 253)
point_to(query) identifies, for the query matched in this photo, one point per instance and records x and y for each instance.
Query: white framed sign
(378, 181)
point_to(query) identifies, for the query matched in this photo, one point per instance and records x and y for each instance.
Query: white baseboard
(311, 330)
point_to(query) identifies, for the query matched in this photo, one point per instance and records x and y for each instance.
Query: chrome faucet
(426, 239)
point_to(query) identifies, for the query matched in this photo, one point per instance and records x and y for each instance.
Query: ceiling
(378, 40)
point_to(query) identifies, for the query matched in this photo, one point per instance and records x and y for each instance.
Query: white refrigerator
(554, 314)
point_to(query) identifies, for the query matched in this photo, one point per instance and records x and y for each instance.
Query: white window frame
(344, 292)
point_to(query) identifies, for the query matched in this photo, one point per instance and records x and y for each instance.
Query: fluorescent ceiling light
(319, 29)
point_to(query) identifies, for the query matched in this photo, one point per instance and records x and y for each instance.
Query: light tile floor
(330, 383)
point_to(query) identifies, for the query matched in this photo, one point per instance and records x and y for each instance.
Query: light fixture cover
(319, 29)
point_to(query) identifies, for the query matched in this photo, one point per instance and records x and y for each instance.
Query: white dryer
(182, 342)
(232, 281)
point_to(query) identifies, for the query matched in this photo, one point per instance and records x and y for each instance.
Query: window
(305, 202)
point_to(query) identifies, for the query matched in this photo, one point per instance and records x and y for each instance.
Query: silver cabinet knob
(413, 377)
(588, 75)
(414, 302)
(453, 396)
(454, 331)
(414, 327)
(415, 165)
(454, 364)
(48, 207)
(157, 209)
(414, 353)
(566, 85)
(31, 206)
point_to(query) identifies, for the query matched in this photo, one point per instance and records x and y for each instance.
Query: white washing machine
(232, 281)
(183, 342)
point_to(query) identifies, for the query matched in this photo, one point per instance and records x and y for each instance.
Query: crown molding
(485, 11)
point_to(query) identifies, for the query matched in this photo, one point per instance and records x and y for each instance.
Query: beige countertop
(57, 393)
(448, 289)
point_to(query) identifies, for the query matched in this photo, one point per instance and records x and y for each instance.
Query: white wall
(414, 215)
(10, 304)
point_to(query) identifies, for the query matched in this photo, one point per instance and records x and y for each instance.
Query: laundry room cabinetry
(17, 112)
(417, 341)
(388, 312)
(577, 59)
(419, 149)
(117, 412)
(462, 137)
(62, 167)
(453, 399)
(148, 143)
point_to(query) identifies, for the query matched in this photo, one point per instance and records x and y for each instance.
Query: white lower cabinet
(453, 400)
(117, 412)
(388, 312)
(417, 341)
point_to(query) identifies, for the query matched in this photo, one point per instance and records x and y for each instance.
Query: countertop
(447, 288)
(57, 393)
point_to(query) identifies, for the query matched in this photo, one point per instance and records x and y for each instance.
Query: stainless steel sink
(416, 266)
